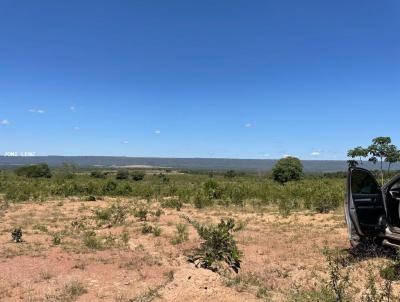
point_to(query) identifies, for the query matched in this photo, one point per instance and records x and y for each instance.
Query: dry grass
(280, 254)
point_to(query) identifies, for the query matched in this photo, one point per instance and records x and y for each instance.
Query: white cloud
(4, 122)
(40, 111)
(157, 131)
(248, 125)
(315, 153)
(125, 142)
(76, 128)
(72, 108)
(266, 155)
(286, 155)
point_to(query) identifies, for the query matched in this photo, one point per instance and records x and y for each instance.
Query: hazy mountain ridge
(178, 163)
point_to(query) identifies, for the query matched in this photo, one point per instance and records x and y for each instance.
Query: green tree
(358, 152)
(287, 169)
(352, 163)
(379, 150)
(392, 156)
(34, 171)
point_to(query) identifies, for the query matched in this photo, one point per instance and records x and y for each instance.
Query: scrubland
(172, 236)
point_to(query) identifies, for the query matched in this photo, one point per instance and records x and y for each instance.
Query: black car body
(372, 211)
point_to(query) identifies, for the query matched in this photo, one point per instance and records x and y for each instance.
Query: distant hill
(218, 164)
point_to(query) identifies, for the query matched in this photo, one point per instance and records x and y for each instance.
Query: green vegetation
(137, 175)
(320, 193)
(287, 169)
(218, 246)
(381, 150)
(122, 174)
(115, 214)
(34, 171)
(16, 235)
(182, 234)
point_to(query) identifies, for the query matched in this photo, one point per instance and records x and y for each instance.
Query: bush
(147, 228)
(97, 174)
(172, 203)
(212, 190)
(141, 214)
(109, 187)
(16, 235)
(89, 198)
(114, 215)
(56, 239)
(200, 200)
(34, 171)
(182, 234)
(137, 175)
(91, 240)
(218, 246)
(287, 169)
(230, 174)
(122, 174)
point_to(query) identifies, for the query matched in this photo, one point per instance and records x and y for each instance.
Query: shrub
(56, 239)
(287, 169)
(89, 198)
(182, 234)
(34, 171)
(72, 291)
(16, 235)
(114, 215)
(157, 231)
(141, 214)
(212, 190)
(122, 174)
(91, 240)
(147, 228)
(125, 236)
(138, 175)
(109, 187)
(201, 201)
(218, 246)
(339, 282)
(230, 174)
(172, 203)
(97, 174)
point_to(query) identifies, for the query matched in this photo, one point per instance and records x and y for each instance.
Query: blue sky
(239, 79)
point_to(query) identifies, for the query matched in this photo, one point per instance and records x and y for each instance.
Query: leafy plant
(141, 214)
(91, 240)
(182, 234)
(338, 282)
(147, 228)
(114, 215)
(16, 235)
(156, 231)
(34, 171)
(56, 239)
(218, 246)
(287, 169)
(122, 174)
(172, 203)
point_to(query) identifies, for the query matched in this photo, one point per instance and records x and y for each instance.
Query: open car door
(364, 205)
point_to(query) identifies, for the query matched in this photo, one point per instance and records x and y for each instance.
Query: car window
(363, 182)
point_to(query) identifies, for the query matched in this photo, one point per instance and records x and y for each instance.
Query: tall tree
(358, 152)
(379, 151)
(393, 156)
